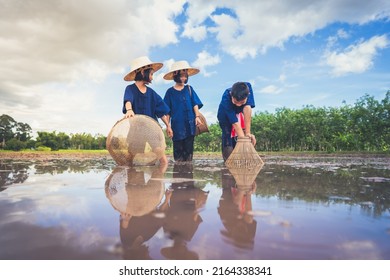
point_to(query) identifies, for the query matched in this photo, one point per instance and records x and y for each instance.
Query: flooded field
(296, 208)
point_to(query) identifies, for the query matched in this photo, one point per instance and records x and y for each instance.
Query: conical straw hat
(141, 62)
(180, 65)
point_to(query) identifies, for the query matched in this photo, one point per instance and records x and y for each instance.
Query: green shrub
(14, 145)
(43, 149)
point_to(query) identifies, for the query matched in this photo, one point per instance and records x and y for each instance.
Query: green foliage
(43, 149)
(83, 141)
(86, 141)
(13, 130)
(7, 125)
(362, 127)
(31, 144)
(53, 140)
(15, 145)
(365, 126)
(209, 142)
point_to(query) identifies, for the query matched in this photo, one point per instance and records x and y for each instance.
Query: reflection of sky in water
(62, 198)
(329, 210)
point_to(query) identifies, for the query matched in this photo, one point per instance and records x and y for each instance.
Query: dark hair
(143, 77)
(239, 91)
(176, 77)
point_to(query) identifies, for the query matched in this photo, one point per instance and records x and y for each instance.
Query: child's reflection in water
(137, 195)
(235, 206)
(144, 210)
(182, 216)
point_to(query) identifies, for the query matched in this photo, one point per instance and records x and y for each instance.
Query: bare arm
(196, 111)
(129, 110)
(248, 121)
(166, 119)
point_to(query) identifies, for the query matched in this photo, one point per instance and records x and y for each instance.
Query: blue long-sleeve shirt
(150, 104)
(181, 104)
(227, 111)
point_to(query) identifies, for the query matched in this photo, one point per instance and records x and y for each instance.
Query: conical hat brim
(155, 66)
(181, 65)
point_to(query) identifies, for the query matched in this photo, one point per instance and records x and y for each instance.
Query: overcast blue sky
(63, 61)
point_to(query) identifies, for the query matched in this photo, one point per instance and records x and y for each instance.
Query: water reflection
(293, 209)
(145, 206)
(327, 185)
(12, 173)
(60, 166)
(234, 210)
(136, 194)
(183, 214)
(235, 206)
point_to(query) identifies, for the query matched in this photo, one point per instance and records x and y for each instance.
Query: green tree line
(364, 126)
(18, 136)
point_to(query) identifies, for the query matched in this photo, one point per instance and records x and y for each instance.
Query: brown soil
(74, 155)
(34, 155)
(54, 155)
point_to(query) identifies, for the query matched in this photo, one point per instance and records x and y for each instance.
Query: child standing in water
(184, 105)
(141, 99)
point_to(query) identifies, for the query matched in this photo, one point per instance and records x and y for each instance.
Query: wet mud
(86, 207)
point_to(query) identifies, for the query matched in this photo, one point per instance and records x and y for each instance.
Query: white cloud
(197, 33)
(59, 40)
(358, 250)
(341, 33)
(333, 40)
(51, 105)
(271, 89)
(204, 60)
(197, 13)
(63, 61)
(356, 58)
(231, 35)
(159, 76)
(282, 78)
(252, 27)
(55, 54)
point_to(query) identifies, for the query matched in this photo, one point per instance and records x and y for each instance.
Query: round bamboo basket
(138, 140)
(134, 191)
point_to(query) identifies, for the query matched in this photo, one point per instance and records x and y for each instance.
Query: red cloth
(241, 120)
(242, 206)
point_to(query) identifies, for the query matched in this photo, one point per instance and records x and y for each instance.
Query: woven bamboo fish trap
(138, 140)
(244, 162)
(134, 191)
(245, 178)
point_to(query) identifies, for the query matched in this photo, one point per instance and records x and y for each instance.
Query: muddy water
(296, 208)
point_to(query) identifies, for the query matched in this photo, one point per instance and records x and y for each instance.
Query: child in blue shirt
(235, 115)
(141, 99)
(184, 105)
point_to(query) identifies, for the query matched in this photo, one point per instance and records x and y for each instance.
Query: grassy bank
(105, 154)
(325, 154)
(31, 154)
